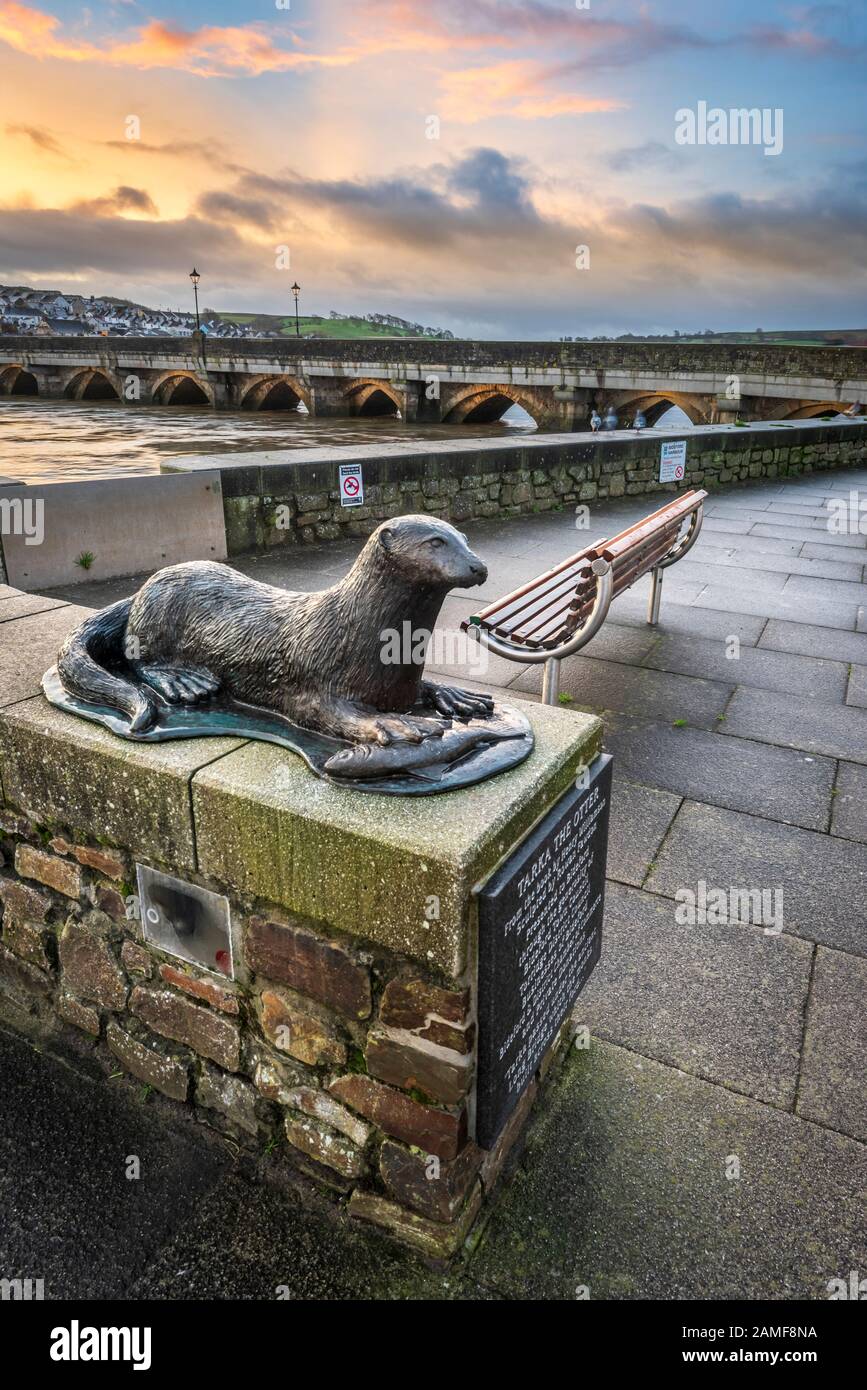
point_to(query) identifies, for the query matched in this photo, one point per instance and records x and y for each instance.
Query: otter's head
(424, 550)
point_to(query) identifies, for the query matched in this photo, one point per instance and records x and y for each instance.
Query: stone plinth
(370, 865)
(345, 1044)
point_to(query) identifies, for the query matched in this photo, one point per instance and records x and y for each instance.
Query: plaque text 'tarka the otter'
(540, 935)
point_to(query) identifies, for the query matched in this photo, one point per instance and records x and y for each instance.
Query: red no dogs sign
(351, 485)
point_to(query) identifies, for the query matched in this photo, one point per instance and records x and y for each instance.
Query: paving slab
(815, 550)
(808, 639)
(821, 522)
(814, 510)
(685, 618)
(607, 685)
(640, 816)
(729, 525)
(758, 545)
(849, 805)
(790, 564)
(619, 642)
(678, 588)
(823, 879)
(735, 576)
(746, 508)
(856, 694)
(809, 535)
(836, 731)
(725, 1002)
(715, 548)
(29, 646)
(820, 611)
(70, 1214)
(624, 1193)
(754, 666)
(833, 1090)
(729, 772)
(98, 593)
(22, 605)
(808, 586)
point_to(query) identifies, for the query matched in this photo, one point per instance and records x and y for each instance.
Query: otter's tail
(90, 663)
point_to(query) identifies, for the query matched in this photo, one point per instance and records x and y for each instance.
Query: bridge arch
(812, 410)
(654, 405)
(15, 380)
(483, 405)
(372, 397)
(274, 393)
(92, 384)
(182, 388)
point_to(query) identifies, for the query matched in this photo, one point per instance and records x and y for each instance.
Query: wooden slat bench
(556, 614)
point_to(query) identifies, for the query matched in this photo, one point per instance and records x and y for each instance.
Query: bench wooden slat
(559, 590)
(683, 507)
(561, 625)
(546, 611)
(534, 625)
(544, 580)
(505, 609)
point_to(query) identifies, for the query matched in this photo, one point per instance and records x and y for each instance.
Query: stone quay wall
(345, 1044)
(268, 502)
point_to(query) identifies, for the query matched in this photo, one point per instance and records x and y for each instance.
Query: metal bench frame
(604, 572)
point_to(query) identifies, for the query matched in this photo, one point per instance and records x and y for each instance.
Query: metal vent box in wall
(185, 920)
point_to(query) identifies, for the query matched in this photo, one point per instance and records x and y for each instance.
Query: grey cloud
(493, 181)
(41, 138)
(71, 241)
(220, 206)
(121, 199)
(820, 233)
(480, 198)
(637, 157)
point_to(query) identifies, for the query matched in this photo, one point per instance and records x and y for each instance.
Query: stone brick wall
(277, 504)
(329, 1052)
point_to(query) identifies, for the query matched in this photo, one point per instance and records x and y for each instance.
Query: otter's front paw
(455, 703)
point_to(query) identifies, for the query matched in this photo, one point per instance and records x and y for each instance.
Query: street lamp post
(296, 290)
(196, 277)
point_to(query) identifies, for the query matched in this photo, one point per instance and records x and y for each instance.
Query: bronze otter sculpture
(201, 631)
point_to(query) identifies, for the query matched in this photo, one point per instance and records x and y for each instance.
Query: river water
(60, 441)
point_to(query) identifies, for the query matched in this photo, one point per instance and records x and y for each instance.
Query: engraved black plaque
(540, 935)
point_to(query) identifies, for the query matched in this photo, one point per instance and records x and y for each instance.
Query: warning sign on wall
(351, 485)
(672, 461)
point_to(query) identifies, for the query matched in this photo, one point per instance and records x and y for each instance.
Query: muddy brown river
(58, 441)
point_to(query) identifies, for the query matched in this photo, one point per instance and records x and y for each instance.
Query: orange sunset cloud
(512, 89)
(209, 51)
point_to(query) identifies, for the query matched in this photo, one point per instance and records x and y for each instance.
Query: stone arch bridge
(443, 381)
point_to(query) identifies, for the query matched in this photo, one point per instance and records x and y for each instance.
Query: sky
(500, 169)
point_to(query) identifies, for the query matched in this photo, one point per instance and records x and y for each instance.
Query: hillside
(331, 327)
